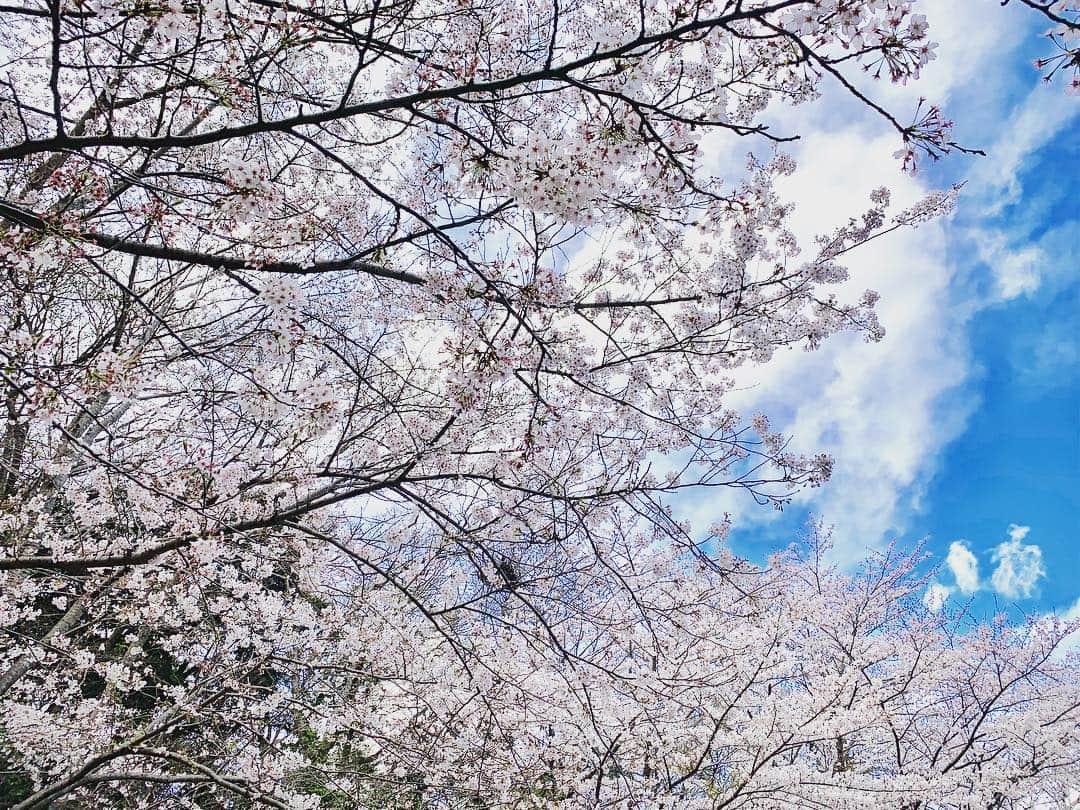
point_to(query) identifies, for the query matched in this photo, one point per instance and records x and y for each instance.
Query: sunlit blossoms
(352, 355)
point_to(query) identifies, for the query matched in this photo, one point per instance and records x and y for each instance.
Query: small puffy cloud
(935, 596)
(1019, 565)
(964, 567)
(1017, 532)
(1016, 271)
(1019, 272)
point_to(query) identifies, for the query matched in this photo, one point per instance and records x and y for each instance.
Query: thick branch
(28, 219)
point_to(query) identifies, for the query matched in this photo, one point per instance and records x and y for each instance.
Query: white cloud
(965, 570)
(1019, 565)
(887, 411)
(1016, 271)
(936, 596)
(1019, 568)
(1018, 265)
(966, 48)
(964, 567)
(1018, 532)
(1046, 358)
(879, 409)
(884, 411)
(1037, 120)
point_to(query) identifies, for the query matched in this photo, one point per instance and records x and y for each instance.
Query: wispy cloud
(1037, 120)
(1018, 532)
(1019, 565)
(1038, 358)
(1016, 271)
(877, 408)
(887, 412)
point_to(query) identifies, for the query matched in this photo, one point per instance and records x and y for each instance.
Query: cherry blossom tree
(351, 356)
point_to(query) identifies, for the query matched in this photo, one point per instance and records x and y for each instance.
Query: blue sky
(964, 424)
(1018, 457)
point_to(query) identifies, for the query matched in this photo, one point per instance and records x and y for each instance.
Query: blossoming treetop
(341, 345)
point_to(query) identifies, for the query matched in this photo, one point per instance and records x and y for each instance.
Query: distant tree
(344, 351)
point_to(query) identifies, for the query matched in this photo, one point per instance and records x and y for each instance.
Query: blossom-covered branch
(351, 356)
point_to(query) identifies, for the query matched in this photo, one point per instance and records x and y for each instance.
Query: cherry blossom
(353, 355)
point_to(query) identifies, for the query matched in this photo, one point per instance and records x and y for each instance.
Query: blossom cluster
(355, 357)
